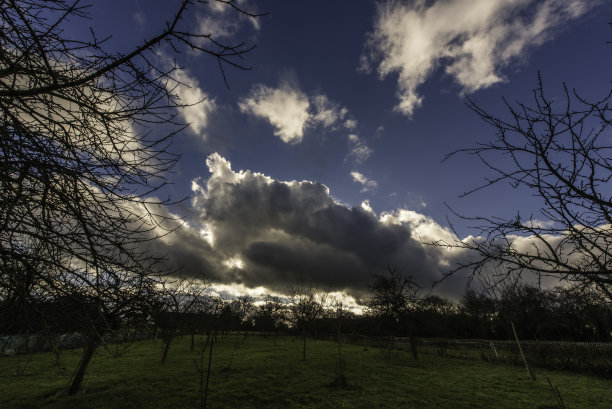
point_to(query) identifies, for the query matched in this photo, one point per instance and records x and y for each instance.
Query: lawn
(256, 372)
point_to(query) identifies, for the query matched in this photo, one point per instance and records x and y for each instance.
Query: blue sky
(365, 98)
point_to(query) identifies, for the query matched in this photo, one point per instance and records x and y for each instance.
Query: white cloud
(223, 22)
(291, 111)
(362, 179)
(197, 105)
(359, 151)
(327, 113)
(423, 228)
(235, 262)
(286, 108)
(474, 39)
(350, 124)
(539, 224)
(365, 205)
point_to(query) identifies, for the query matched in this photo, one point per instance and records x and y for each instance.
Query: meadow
(259, 372)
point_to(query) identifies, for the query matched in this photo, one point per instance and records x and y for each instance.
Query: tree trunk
(167, 339)
(413, 347)
(304, 348)
(340, 361)
(88, 352)
(210, 354)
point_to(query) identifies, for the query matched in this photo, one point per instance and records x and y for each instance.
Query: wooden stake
(531, 374)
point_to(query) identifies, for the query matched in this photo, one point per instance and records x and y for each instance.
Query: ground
(258, 372)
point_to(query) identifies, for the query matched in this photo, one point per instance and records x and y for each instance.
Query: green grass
(264, 375)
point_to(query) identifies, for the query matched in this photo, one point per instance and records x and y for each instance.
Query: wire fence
(590, 357)
(30, 343)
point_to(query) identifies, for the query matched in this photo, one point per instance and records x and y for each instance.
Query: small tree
(340, 315)
(306, 306)
(243, 309)
(392, 297)
(183, 302)
(271, 316)
(433, 316)
(478, 310)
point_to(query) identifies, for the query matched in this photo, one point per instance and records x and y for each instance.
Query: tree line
(395, 307)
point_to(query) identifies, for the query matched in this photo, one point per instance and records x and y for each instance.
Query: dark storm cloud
(270, 233)
(282, 262)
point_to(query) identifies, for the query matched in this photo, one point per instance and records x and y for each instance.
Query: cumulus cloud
(251, 230)
(472, 39)
(286, 108)
(362, 179)
(291, 111)
(247, 230)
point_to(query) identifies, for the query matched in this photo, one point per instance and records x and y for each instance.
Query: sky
(324, 161)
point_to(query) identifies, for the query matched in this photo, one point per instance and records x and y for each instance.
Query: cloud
(539, 224)
(248, 229)
(140, 18)
(328, 114)
(350, 124)
(291, 111)
(359, 151)
(223, 22)
(364, 181)
(472, 39)
(286, 108)
(197, 105)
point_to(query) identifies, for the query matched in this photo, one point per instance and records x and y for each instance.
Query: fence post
(531, 374)
(494, 350)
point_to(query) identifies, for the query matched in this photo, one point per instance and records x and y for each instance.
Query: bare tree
(181, 310)
(392, 297)
(560, 150)
(243, 311)
(79, 158)
(338, 312)
(306, 306)
(271, 316)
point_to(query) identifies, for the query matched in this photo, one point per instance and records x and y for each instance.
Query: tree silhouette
(271, 316)
(392, 297)
(306, 306)
(181, 310)
(559, 149)
(79, 159)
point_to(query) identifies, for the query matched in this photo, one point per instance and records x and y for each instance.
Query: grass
(264, 375)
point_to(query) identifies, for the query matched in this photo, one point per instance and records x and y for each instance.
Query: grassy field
(265, 375)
